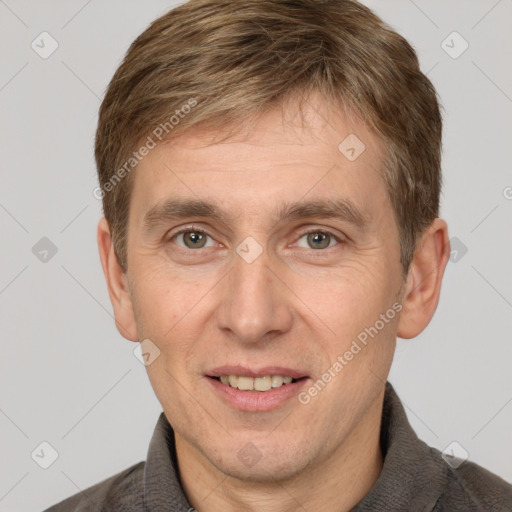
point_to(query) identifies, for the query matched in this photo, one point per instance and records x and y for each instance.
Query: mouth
(256, 390)
(261, 384)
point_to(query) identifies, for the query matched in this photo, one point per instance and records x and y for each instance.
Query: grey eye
(317, 240)
(192, 239)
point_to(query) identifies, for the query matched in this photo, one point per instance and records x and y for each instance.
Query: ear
(117, 284)
(424, 278)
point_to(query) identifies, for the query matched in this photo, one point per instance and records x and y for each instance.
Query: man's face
(250, 293)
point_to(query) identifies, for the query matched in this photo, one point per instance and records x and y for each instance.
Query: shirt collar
(412, 477)
(162, 490)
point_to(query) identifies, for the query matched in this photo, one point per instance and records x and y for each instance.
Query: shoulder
(472, 487)
(122, 491)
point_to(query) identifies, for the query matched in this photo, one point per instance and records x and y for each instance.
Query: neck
(336, 483)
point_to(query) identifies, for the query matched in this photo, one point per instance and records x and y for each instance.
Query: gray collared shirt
(414, 478)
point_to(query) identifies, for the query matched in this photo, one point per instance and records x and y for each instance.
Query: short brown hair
(239, 58)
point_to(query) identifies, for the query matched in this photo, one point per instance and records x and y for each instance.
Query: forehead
(281, 158)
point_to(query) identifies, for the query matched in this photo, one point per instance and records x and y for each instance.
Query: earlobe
(424, 280)
(117, 284)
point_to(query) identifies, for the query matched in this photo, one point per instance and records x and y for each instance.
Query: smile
(262, 384)
(255, 390)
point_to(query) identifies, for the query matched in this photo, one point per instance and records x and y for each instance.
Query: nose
(255, 305)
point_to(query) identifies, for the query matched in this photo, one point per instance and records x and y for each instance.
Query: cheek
(162, 298)
(350, 302)
(347, 296)
(170, 311)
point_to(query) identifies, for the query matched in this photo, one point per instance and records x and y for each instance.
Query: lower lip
(256, 401)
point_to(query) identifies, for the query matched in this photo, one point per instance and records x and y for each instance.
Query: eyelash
(203, 232)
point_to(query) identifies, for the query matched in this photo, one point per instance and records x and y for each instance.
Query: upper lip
(254, 373)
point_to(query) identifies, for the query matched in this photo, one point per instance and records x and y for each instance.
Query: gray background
(69, 378)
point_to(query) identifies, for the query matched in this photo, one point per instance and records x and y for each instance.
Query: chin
(265, 464)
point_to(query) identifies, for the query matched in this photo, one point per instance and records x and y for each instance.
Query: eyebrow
(182, 208)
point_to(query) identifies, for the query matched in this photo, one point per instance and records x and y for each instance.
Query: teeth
(277, 381)
(263, 383)
(258, 384)
(245, 383)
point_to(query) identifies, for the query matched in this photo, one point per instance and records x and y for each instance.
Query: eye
(192, 238)
(318, 239)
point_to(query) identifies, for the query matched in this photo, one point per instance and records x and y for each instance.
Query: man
(270, 176)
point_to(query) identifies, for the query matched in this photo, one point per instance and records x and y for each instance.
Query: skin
(295, 306)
